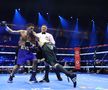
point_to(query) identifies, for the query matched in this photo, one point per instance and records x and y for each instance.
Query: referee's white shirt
(45, 38)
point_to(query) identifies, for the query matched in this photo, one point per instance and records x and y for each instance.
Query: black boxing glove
(3, 23)
(28, 44)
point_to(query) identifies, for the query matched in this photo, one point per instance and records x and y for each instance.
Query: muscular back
(26, 37)
(23, 38)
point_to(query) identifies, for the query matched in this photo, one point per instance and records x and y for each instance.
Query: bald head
(43, 28)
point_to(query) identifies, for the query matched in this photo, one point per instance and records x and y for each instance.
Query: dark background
(84, 10)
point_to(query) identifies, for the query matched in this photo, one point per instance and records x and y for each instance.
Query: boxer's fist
(3, 23)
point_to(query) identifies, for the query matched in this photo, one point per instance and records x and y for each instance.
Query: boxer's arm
(13, 31)
(36, 35)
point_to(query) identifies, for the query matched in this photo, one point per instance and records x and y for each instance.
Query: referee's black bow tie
(43, 32)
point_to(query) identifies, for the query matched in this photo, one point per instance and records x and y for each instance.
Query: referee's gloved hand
(3, 23)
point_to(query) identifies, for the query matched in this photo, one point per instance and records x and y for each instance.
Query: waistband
(48, 43)
(24, 47)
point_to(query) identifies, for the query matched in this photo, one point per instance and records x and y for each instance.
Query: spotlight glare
(47, 13)
(16, 10)
(18, 18)
(41, 20)
(92, 20)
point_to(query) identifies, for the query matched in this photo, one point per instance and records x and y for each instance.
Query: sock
(33, 74)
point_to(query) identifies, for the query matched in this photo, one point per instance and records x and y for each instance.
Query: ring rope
(104, 45)
(51, 66)
(61, 54)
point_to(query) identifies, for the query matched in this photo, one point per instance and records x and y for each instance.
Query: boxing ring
(86, 80)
